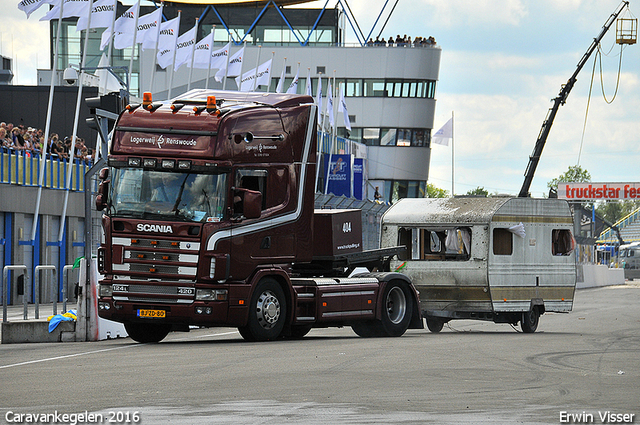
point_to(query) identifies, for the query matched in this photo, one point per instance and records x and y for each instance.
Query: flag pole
(193, 49)
(133, 48)
(319, 147)
(255, 75)
(226, 70)
(174, 60)
(452, 158)
(213, 29)
(72, 149)
(47, 127)
(155, 55)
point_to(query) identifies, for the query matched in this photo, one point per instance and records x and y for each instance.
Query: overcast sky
(503, 61)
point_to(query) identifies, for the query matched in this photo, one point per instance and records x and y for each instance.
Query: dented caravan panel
(495, 272)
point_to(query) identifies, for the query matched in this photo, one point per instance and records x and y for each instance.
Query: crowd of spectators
(30, 141)
(402, 42)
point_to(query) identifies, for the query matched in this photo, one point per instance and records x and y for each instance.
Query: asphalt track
(584, 363)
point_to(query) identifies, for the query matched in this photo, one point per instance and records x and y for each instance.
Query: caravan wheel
(529, 321)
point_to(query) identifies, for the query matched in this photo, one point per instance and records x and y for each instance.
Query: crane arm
(561, 100)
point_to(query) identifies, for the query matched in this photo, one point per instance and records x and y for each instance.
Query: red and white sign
(598, 191)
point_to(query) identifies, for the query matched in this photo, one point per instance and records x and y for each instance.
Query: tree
(436, 192)
(478, 191)
(612, 211)
(575, 174)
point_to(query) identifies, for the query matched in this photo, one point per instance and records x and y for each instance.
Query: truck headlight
(211, 294)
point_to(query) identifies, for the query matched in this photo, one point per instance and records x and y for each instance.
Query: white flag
(342, 107)
(71, 8)
(148, 29)
(202, 53)
(250, 79)
(293, 87)
(124, 28)
(442, 136)
(219, 57)
(319, 98)
(330, 105)
(30, 6)
(167, 41)
(108, 82)
(280, 85)
(184, 47)
(102, 15)
(235, 66)
(308, 87)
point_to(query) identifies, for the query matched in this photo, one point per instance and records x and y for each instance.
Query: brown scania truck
(208, 217)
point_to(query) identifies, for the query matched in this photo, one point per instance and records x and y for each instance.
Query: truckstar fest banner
(598, 191)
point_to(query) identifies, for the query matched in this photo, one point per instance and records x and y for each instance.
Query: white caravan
(506, 260)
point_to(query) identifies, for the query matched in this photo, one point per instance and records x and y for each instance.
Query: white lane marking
(102, 351)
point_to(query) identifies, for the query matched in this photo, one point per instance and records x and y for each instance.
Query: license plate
(152, 313)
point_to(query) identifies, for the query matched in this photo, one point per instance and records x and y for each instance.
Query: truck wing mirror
(251, 202)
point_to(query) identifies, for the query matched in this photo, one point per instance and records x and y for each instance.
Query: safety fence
(23, 168)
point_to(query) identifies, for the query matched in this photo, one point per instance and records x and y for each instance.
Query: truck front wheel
(267, 312)
(147, 332)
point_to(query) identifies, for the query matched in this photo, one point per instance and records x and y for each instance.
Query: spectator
(390, 42)
(18, 140)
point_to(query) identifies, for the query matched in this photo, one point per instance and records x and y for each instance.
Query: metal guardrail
(22, 168)
(36, 287)
(25, 296)
(65, 285)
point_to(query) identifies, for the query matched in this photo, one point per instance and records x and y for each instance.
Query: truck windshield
(164, 195)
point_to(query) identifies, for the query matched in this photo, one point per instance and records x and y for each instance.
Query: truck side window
(502, 241)
(561, 242)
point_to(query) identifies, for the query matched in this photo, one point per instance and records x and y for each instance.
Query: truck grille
(157, 260)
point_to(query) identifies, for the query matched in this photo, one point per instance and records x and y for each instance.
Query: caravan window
(561, 242)
(502, 242)
(435, 244)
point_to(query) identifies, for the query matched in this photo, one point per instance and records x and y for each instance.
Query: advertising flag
(102, 15)
(235, 66)
(71, 8)
(330, 105)
(342, 107)
(442, 136)
(30, 6)
(308, 87)
(124, 26)
(293, 87)
(148, 29)
(252, 79)
(167, 41)
(184, 47)
(319, 98)
(219, 57)
(280, 85)
(202, 53)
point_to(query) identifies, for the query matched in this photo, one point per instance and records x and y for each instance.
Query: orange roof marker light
(147, 102)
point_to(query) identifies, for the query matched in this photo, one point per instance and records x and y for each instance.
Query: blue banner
(358, 178)
(339, 175)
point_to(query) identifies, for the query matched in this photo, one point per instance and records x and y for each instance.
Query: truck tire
(368, 329)
(147, 332)
(434, 324)
(396, 309)
(299, 331)
(530, 319)
(267, 312)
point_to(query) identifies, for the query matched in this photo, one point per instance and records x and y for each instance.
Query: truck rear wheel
(396, 310)
(267, 312)
(529, 321)
(147, 332)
